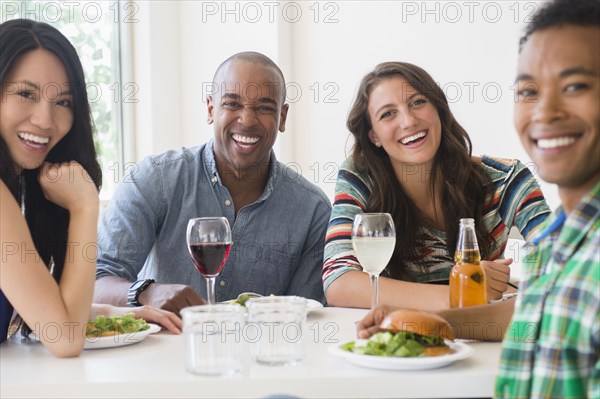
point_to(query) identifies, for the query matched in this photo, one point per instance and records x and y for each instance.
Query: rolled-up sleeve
(351, 196)
(128, 226)
(522, 203)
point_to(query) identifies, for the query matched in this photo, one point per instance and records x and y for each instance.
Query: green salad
(112, 325)
(401, 344)
(243, 298)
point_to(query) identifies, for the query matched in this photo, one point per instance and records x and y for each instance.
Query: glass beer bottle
(467, 279)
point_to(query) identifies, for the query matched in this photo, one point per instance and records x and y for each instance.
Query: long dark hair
(465, 183)
(47, 221)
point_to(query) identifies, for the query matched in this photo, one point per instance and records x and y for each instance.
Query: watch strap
(136, 289)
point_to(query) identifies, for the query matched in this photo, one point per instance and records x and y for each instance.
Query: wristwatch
(136, 289)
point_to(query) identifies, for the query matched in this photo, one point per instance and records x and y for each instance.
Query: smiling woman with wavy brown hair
(412, 159)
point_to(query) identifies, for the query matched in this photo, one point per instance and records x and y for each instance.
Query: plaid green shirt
(552, 348)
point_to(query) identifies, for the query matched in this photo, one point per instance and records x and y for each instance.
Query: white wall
(324, 48)
(156, 64)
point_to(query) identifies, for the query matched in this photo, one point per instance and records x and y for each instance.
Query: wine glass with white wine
(374, 240)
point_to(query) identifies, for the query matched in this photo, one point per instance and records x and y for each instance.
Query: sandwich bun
(418, 322)
(437, 350)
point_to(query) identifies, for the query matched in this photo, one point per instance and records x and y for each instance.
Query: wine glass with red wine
(209, 241)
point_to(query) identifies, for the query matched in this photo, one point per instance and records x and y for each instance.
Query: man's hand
(165, 318)
(497, 275)
(171, 297)
(151, 314)
(369, 325)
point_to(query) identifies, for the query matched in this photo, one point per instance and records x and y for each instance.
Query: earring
(377, 143)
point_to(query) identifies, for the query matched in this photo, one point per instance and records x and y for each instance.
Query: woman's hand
(497, 275)
(68, 185)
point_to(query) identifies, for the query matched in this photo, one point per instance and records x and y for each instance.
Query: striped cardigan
(517, 201)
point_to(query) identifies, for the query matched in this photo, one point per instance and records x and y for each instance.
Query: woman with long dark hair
(49, 182)
(412, 159)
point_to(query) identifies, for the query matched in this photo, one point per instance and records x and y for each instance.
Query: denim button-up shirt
(278, 240)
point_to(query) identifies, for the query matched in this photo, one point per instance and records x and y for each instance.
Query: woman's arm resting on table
(353, 289)
(25, 280)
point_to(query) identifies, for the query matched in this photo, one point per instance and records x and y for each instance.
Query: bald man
(278, 218)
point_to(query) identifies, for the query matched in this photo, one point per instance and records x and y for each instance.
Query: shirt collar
(210, 164)
(567, 232)
(554, 225)
(213, 174)
(587, 210)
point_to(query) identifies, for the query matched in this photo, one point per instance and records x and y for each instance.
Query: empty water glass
(213, 339)
(275, 329)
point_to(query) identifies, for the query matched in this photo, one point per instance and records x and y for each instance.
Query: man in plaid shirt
(552, 347)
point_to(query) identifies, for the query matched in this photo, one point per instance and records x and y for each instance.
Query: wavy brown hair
(465, 185)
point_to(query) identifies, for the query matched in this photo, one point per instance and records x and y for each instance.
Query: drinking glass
(209, 242)
(214, 339)
(277, 322)
(374, 240)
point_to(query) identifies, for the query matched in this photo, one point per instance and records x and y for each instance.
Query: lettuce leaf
(402, 344)
(123, 324)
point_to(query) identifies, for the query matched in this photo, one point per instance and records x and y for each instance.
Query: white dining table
(155, 368)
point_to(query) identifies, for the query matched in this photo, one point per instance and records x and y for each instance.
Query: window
(93, 28)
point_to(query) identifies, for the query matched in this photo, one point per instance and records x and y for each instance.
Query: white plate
(311, 305)
(461, 351)
(120, 339)
(114, 340)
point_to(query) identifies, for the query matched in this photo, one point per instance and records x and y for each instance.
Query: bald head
(254, 58)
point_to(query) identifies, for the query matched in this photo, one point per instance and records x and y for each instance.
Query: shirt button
(213, 179)
(222, 283)
(227, 202)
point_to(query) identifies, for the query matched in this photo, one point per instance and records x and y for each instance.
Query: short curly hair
(563, 12)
